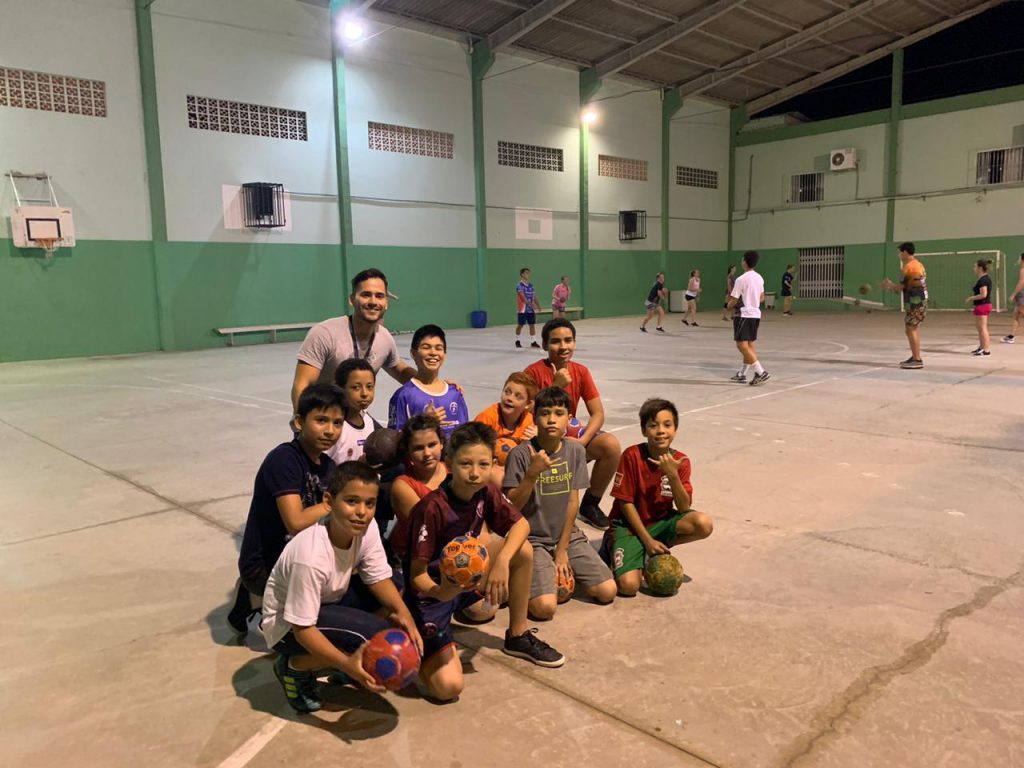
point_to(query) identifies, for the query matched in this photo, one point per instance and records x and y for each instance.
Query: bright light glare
(353, 30)
(589, 116)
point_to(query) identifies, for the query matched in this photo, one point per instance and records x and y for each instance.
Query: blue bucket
(478, 318)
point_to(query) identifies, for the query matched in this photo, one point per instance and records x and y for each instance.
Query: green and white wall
(155, 267)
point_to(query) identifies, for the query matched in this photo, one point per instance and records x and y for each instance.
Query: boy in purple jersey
(427, 392)
(527, 308)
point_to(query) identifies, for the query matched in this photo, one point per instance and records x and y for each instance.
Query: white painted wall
(628, 125)
(259, 52)
(699, 139)
(408, 78)
(537, 104)
(97, 163)
(939, 152)
(763, 174)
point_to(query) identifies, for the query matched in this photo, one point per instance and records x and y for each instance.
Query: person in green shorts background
(652, 493)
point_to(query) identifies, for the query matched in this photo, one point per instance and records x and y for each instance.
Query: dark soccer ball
(391, 658)
(663, 574)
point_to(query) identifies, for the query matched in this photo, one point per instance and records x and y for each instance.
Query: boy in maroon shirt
(462, 506)
(559, 370)
(652, 493)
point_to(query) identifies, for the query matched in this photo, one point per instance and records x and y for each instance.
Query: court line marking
(218, 391)
(245, 753)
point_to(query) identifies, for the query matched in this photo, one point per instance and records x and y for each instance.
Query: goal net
(950, 276)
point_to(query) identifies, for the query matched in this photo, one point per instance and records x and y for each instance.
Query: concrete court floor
(861, 602)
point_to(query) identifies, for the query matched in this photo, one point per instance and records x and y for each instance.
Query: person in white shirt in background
(747, 294)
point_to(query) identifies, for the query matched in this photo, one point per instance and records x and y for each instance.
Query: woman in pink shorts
(981, 297)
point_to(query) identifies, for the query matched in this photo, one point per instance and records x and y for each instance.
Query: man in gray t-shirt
(361, 334)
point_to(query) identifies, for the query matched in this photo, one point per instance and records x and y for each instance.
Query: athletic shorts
(651, 305)
(914, 316)
(434, 618)
(691, 297)
(1018, 299)
(526, 318)
(982, 310)
(558, 307)
(745, 328)
(347, 628)
(626, 551)
(786, 293)
(588, 568)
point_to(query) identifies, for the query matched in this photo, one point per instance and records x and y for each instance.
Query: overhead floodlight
(352, 30)
(589, 116)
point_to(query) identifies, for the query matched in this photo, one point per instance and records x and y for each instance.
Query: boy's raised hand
(667, 463)
(562, 377)
(439, 413)
(539, 461)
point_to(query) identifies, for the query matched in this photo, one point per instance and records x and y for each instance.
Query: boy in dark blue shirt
(288, 494)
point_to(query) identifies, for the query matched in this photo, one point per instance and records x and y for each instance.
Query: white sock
(758, 368)
(533, 339)
(746, 370)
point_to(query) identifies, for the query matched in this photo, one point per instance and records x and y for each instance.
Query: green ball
(663, 574)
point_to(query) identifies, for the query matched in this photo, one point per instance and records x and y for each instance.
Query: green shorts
(627, 551)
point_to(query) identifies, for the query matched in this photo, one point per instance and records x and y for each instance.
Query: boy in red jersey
(559, 370)
(652, 493)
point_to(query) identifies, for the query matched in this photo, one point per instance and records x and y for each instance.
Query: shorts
(786, 292)
(651, 305)
(346, 627)
(558, 307)
(982, 310)
(526, 318)
(745, 328)
(434, 618)
(588, 568)
(914, 316)
(625, 549)
(691, 296)
(1018, 299)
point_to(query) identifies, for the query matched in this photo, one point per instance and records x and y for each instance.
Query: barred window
(207, 114)
(385, 137)
(696, 177)
(807, 188)
(622, 168)
(821, 272)
(530, 156)
(1001, 166)
(52, 93)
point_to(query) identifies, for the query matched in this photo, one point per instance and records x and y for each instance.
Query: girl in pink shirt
(560, 297)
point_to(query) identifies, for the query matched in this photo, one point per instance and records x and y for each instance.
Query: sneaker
(299, 687)
(535, 345)
(530, 647)
(759, 379)
(912, 362)
(694, 324)
(659, 329)
(980, 352)
(592, 514)
(643, 329)
(519, 344)
(787, 314)
(1008, 339)
(684, 322)
(738, 377)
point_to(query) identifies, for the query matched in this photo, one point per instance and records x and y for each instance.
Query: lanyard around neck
(355, 341)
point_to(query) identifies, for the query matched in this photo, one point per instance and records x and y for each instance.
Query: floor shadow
(349, 713)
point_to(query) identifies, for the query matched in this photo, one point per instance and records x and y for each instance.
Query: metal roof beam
(933, 7)
(773, 18)
(727, 41)
(646, 9)
(524, 23)
(763, 103)
(688, 23)
(788, 43)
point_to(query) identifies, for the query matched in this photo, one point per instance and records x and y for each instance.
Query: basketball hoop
(48, 244)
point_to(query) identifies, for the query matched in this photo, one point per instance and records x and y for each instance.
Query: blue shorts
(527, 318)
(346, 627)
(434, 618)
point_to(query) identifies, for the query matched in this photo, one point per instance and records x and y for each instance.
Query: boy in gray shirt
(543, 478)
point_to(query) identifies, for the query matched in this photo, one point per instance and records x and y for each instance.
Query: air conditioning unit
(842, 159)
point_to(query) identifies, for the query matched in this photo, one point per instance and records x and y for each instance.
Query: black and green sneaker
(299, 687)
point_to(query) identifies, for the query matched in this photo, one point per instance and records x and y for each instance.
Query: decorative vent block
(385, 137)
(696, 177)
(530, 156)
(52, 93)
(621, 168)
(225, 116)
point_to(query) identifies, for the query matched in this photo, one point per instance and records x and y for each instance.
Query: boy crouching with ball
(652, 493)
(462, 506)
(309, 616)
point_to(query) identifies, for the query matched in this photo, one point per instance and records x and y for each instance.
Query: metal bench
(577, 310)
(271, 329)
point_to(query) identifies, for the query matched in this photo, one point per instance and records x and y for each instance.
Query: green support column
(671, 102)
(480, 62)
(338, 7)
(892, 157)
(737, 119)
(590, 84)
(154, 161)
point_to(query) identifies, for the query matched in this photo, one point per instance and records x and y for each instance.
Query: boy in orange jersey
(511, 418)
